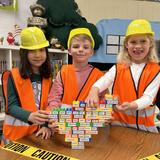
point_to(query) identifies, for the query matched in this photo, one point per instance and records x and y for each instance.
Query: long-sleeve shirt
(56, 92)
(149, 94)
(14, 107)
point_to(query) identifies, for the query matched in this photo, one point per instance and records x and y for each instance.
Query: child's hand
(93, 99)
(45, 132)
(123, 107)
(126, 106)
(38, 117)
(52, 125)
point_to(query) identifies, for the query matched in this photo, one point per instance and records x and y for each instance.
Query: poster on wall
(9, 4)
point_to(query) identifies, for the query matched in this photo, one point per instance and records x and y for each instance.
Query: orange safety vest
(13, 128)
(125, 88)
(70, 84)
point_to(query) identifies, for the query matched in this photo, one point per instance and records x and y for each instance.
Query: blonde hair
(82, 37)
(124, 58)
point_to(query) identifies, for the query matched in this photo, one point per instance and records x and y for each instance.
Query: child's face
(80, 50)
(37, 58)
(138, 47)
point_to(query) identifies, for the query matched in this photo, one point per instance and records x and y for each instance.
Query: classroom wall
(123, 10)
(10, 17)
(95, 10)
(92, 10)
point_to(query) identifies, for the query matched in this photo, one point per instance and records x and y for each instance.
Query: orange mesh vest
(13, 128)
(125, 88)
(70, 84)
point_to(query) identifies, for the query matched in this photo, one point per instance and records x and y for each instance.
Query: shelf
(13, 47)
(9, 47)
(57, 51)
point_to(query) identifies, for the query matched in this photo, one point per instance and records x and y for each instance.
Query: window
(114, 43)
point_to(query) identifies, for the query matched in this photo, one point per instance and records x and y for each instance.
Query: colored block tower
(79, 121)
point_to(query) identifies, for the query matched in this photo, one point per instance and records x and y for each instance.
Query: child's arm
(149, 94)
(126, 106)
(145, 100)
(15, 110)
(56, 92)
(38, 117)
(93, 98)
(102, 84)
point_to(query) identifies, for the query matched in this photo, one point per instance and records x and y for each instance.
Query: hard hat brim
(151, 34)
(78, 31)
(46, 44)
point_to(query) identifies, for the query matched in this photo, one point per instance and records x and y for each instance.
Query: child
(135, 79)
(26, 88)
(74, 81)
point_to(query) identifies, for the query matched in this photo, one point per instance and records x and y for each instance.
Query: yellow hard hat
(33, 38)
(77, 31)
(139, 26)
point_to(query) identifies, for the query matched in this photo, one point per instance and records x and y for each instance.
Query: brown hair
(25, 67)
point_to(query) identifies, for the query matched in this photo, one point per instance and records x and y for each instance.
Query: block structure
(79, 121)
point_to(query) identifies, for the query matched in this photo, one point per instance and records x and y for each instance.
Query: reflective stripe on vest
(141, 127)
(125, 88)
(13, 121)
(142, 113)
(13, 128)
(70, 84)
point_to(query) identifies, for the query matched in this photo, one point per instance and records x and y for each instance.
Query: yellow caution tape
(35, 153)
(152, 157)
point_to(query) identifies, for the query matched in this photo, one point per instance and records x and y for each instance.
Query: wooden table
(115, 143)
